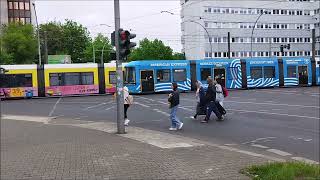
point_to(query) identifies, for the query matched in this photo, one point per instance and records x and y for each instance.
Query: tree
(151, 50)
(178, 56)
(76, 40)
(70, 38)
(19, 44)
(100, 42)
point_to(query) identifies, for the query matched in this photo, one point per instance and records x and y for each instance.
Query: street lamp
(254, 25)
(93, 51)
(38, 33)
(209, 37)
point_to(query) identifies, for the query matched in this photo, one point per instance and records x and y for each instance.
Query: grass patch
(283, 171)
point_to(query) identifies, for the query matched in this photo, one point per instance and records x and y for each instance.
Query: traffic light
(124, 42)
(288, 46)
(281, 48)
(113, 39)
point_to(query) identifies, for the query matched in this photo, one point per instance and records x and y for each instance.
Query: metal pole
(38, 33)
(119, 95)
(94, 53)
(229, 51)
(45, 48)
(252, 32)
(102, 54)
(209, 37)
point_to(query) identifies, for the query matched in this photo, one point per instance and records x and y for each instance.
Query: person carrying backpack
(211, 102)
(174, 103)
(128, 100)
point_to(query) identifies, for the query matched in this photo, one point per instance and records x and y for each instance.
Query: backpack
(129, 99)
(225, 92)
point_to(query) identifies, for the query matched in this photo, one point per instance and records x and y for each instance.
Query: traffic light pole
(119, 95)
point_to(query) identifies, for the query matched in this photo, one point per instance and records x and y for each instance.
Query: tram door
(303, 75)
(220, 73)
(147, 81)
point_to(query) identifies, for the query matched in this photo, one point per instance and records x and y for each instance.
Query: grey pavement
(276, 121)
(60, 150)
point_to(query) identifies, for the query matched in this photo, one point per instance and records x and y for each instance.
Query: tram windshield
(130, 75)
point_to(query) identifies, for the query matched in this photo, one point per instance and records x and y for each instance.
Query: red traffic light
(123, 35)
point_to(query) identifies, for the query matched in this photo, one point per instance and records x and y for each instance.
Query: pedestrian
(219, 91)
(211, 100)
(128, 100)
(174, 103)
(200, 93)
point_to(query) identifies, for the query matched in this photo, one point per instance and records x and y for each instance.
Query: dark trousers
(220, 108)
(126, 106)
(212, 107)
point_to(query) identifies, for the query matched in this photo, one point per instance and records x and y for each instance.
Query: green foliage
(99, 43)
(178, 56)
(153, 50)
(70, 38)
(18, 44)
(283, 171)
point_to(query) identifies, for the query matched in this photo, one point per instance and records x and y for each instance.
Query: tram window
(87, 78)
(112, 77)
(179, 75)
(55, 79)
(269, 72)
(232, 73)
(163, 75)
(16, 80)
(130, 75)
(205, 73)
(71, 79)
(256, 72)
(291, 71)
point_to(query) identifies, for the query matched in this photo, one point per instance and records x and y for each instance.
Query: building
(16, 11)
(205, 26)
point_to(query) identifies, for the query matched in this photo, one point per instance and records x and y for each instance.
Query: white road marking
(305, 160)
(280, 114)
(307, 140)
(143, 105)
(109, 108)
(187, 109)
(279, 152)
(27, 118)
(54, 107)
(273, 104)
(146, 98)
(259, 139)
(90, 107)
(259, 146)
(164, 113)
(233, 144)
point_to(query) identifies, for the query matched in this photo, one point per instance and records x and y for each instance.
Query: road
(281, 121)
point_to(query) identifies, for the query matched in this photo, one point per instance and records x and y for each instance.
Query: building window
(21, 5)
(15, 5)
(179, 75)
(10, 5)
(27, 5)
(163, 75)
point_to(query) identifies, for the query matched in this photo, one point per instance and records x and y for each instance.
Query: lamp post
(254, 25)
(209, 37)
(93, 50)
(38, 33)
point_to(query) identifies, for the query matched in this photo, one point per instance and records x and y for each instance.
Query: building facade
(16, 11)
(206, 24)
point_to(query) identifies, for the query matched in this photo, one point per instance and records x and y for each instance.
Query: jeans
(175, 122)
(212, 107)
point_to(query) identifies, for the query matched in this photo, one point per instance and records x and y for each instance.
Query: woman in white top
(219, 92)
(126, 105)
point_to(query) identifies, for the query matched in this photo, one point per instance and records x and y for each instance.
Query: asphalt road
(284, 121)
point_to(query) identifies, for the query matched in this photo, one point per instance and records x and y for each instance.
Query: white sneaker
(126, 122)
(180, 126)
(172, 129)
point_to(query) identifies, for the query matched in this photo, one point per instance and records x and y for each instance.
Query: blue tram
(318, 71)
(297, 71)
(262, 72)
(157, 76)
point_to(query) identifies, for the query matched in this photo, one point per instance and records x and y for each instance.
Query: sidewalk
(33, 150)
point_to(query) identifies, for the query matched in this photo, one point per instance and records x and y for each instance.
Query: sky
(143, 18)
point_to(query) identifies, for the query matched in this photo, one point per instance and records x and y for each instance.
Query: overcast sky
(142, 17)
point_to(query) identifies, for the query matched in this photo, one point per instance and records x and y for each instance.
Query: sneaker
(126, 122)
(172, 129)
(180, 126)
(195, 117)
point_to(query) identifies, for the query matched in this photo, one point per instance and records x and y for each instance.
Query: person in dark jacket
(211, 99)
(200, 96)
(174, 102)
